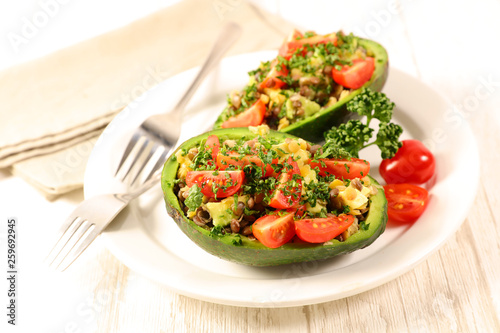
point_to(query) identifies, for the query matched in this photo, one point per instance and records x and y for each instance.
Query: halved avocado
(252, 252)
(313, 127)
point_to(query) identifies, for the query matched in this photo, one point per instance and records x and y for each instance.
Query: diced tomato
(355, 76)
(346, 169)
(223, 162)
(273, 230)
(405, 202)
(220, 184)
(320, 230)
(290, 46)
(253, 116)
(287, 195)
(213, 144)
(413, 163)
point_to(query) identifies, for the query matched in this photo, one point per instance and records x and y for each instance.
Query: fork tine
(126, 152)
(86, 239)
(158, 163)
(69, 227)
(74, 236)
(145, 162)
(142, 142)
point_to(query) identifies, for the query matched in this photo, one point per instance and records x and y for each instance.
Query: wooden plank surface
(451, 46)
(457, 289)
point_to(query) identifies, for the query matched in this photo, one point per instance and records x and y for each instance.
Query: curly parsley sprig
(355, 135)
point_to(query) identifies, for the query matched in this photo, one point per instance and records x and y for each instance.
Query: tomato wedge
(355, 76)
(292, 44)
(220, 184)
(413, 163)
(253, 116)
(213, 144)
(320, 230)
(346, 169)
(273, 230)
(405, 202)
(223, 162)
(287, 194)
(272, 81)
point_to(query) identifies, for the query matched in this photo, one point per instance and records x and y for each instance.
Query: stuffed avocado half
(304, 90)
(259, 197)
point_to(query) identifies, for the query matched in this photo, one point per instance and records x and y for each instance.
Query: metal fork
(87, 221)
(146, 152)
(159, 133)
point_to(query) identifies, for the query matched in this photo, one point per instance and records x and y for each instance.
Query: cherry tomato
(298, 211)
(273, 230)
(272, 81)
(283, 51)
(220, 184)
(346, 169)
(405, 202)
(253, 116)
(213, 144)
(287, 194)
(413, 163)
(320, 230)
(223, 162)
(292, 44)
(355, 76)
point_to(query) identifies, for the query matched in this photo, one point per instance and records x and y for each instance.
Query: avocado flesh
(252, 252)
(312, 128)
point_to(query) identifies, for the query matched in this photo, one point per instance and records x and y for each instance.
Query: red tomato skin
(272, 81)
(326, 228)
(404, 206)
(290, 45)
(204, 180)
(253, 116)
(355, 76)
(214, 144)
(223, 162)
(273, 230)
(279, 199)
(413, 163)
(356, 168)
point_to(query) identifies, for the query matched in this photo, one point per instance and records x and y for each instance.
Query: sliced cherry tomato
(223, 162)
(346, 169)
(405, 202)
(283, 51)
(273, 230)
(355, 76)
(298, 211)
(220, 184)
(213, 144)
(253, 116)
(272, 79)
(287, 194)
(320, 230)
(293, 44)
(413, 163)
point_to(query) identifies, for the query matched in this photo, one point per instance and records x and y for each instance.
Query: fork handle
(228, 35)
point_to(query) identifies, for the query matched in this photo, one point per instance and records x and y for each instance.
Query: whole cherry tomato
(413, 163)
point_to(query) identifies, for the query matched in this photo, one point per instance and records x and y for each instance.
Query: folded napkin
(55, 107)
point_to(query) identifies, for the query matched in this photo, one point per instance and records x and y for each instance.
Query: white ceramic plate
(148, 241)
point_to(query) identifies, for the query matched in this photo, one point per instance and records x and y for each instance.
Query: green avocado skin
(312, 128)
(252, 252)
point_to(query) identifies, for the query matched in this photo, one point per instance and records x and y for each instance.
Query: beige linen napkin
(54, 107)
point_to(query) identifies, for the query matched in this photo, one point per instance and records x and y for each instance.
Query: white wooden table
(450, 45)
